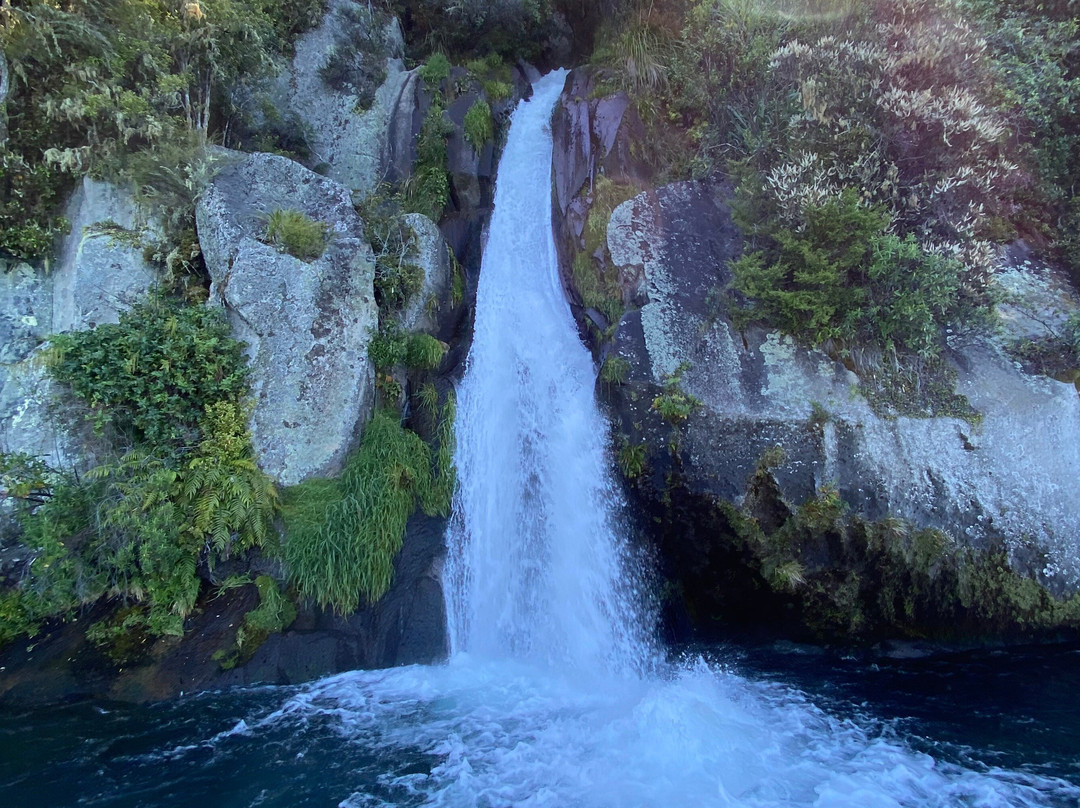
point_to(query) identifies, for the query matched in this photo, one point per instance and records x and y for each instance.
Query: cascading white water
(539, 705)
(535, 570)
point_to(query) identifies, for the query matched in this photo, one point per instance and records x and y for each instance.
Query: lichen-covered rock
(360, 149)
(307, 324)
(101, 271)
(1007, 478)
(433, 257)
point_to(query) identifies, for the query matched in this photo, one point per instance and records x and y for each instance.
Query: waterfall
(552, 696)
(536, 568)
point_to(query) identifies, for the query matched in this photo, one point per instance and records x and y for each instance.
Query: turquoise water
(987, 729)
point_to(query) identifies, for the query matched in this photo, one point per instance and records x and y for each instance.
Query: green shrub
(136, 527)
(92, 84)
(423, 352)
(152, 375)
(675, 405)
(398, 278)
(845, 278)
(478, 125)
(296, 233)
(342, 535)
(435, 70)
(631, 460)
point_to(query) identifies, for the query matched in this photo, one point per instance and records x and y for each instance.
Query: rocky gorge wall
(770, 427)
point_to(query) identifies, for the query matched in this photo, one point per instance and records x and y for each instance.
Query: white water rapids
(552, 696)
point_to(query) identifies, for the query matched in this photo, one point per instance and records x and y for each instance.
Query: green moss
(594, 276)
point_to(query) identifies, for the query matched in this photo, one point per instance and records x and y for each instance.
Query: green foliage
(631, 460)
(274, 613)
(153, 374)
(391, 348)
(513, 29)
(427, 191)
(137, 527)
(595, 278)
(342, 535)
(423, 352)
(95, 82)
(296, 233)
(845, 278)
(614, 370)
(675, 405)
(494, 75)
(435, 70)
(478, 125)
(398, 278)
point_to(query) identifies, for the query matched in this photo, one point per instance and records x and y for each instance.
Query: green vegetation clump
(92, 84)
(343, 534)
(631, 460)
(391, 348)
(478, 125)
(152, 376)
(296, 233)
(675, 405)
(614, 370)
(820, 572)
(843, 277)
(427, 191)
(435, 70)
(181, 489)
(398, 278)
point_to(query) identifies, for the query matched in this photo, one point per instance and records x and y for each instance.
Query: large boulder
(359, 149)
(100, 272)
(1006, 478)
(307, 324)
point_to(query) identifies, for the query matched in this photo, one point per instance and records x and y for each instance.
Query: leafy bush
(93, 83)
(152, 375)
(631, 460)
(274, 613)
(423, 352)
(675, 405)
(478, 125)
(845, 278)
(614, 370)
(296, 233)
(390, 348)
(342, 535)
(398, 278)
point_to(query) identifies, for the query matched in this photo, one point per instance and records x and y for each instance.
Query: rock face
(1008, 479)
(434, 258)
(359, 149)
(307, 324)
(100, 272)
